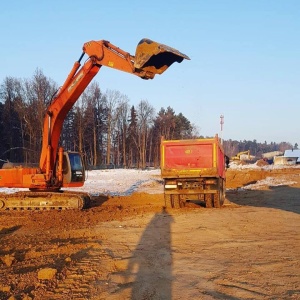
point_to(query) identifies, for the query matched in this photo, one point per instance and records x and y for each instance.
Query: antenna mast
(221, 123)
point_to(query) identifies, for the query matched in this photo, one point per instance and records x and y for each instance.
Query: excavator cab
(155, 58)
(73, 170)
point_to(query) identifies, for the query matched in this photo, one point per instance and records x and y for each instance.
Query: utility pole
(221, 123)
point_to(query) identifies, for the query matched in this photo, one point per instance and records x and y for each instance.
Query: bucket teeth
(155, 57)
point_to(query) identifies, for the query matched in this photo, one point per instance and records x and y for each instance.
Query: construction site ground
(133, 248)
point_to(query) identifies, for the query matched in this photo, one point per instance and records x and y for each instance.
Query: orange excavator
(58, 168)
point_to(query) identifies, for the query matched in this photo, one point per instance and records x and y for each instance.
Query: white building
(293, 153)
(284, 160)
(270, 155)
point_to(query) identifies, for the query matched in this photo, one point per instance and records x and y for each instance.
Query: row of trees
(232, 147)
(102, 126)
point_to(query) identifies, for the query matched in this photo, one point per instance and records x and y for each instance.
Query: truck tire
(223, 193)
(208, 200)
(181, 202)
(219, 197)
(173, 201)
(168, 203)
(217, 200)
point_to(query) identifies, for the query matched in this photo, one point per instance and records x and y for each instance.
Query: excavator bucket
(156, 58)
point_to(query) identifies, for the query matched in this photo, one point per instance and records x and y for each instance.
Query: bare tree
(112, 98)
(38, 93)
(91, 101)
(122, 115)
(145, 113)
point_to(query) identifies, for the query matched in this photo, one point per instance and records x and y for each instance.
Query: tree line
(232, 147)
(103, 126)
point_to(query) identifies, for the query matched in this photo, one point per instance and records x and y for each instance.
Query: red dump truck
(193, 170)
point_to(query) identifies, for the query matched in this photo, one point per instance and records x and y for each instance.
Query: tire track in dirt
(84, 276)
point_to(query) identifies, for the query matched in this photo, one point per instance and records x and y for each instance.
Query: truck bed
(196, 158)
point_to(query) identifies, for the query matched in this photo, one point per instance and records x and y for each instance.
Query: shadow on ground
(280, 197)
(149, 270)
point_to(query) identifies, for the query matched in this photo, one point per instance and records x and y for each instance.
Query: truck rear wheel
(217, 201)
(208, 200)
(173, 201)
(181, 201)
(170, 202)
(223, 192)
(219, 197)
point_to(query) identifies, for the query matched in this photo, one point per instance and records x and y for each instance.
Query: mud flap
(154, 57)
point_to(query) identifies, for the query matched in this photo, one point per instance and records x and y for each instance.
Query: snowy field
(122, 182)
(114, 182)
(127, 181)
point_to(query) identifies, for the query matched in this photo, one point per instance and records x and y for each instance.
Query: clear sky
(245, 56)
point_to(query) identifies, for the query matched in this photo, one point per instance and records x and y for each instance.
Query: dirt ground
(133, 248)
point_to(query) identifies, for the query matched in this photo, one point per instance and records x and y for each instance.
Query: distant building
(270, 155)
(285, 160)
(293, 153)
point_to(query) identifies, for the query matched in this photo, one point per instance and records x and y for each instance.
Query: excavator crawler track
(44, 201)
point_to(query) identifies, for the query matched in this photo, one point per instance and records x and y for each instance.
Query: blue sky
(245, 56)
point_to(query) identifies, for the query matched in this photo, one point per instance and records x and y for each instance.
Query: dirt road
(132, 248)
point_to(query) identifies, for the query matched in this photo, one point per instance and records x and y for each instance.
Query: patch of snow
(269, 181)
(236, 166)
(121, 182)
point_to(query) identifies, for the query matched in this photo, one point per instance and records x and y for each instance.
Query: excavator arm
(151, 58)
